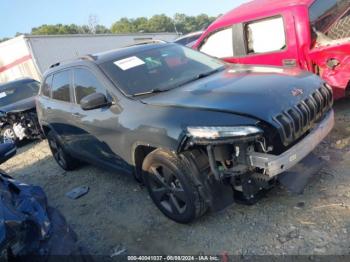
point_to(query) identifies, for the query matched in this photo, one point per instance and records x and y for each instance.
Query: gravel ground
(117, 211)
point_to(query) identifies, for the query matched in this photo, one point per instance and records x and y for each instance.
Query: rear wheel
(171, 186)
(62, 158)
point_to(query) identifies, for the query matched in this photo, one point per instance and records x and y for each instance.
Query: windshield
(325, 13)
(17, 91)
(159, 69)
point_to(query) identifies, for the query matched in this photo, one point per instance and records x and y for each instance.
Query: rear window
(17, 91)
(61, 86)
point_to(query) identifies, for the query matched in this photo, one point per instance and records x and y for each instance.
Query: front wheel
(171, 186)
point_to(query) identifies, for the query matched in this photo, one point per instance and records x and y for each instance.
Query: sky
(23, 15)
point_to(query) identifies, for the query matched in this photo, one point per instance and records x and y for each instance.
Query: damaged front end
(229, 174)
(244, 161)
(18, 125)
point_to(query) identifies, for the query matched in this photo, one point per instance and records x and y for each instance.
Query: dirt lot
(117, 211)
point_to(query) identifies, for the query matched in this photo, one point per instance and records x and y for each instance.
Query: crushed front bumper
(275, 165)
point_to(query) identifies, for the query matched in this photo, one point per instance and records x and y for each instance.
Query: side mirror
(94, 101)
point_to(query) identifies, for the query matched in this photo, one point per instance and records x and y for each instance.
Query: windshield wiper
(152, 91)
(200, 76)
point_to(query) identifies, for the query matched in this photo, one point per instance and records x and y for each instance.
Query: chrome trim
(274, 165)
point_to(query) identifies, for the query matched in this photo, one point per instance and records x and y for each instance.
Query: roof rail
(54, 65)
(88, 57)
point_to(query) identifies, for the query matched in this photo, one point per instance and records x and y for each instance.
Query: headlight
(222, 132)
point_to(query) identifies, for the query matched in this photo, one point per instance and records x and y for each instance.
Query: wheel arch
(139, 153)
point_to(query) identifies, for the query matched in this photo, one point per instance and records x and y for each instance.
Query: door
(265, 41)
(60, 105)
(97, 130)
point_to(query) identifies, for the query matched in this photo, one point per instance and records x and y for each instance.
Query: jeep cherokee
(197, 132)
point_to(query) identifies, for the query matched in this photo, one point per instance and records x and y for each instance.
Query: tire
(341, 29)
(171, 186)
(63, 159)
(7, 133)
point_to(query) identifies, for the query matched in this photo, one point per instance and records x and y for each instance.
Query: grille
(294, 122)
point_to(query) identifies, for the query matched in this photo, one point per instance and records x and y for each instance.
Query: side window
(85, 83)
(61, 86)
(219, 44)
(259, 35)
(46, 87)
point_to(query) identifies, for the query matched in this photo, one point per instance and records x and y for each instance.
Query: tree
(160, 23)
(141, 24)
(4, 39)
(187, 24)
(58, 29)
(101, 29)
(203, 21)
(124, 25)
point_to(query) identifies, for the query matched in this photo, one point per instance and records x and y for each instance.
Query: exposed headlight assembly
(222, 132)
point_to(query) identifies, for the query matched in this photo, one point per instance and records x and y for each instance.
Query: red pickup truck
(313, 35)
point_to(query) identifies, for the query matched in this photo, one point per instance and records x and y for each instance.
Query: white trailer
(31, 55)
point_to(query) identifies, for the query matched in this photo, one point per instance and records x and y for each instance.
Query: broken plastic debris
(118, 250)
(78, 192)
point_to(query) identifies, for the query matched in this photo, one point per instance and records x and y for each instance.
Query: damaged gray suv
(197, 132)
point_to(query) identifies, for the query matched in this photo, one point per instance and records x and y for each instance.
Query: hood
(254, 91)
(19, 106)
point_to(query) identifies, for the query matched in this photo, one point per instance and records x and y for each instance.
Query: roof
(126, 51)
(111, 55)
(256, 8)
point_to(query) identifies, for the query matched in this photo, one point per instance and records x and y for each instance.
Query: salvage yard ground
(118, 212)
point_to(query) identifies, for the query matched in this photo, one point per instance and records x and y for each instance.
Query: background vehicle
(189, 39)
(198, 133)
(29, 226)
(18, 118)
(313, 35)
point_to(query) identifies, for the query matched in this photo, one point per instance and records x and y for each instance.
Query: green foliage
(61, 29)
(124, 25)
(4, 39)
(162, 23)
(181, 23)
